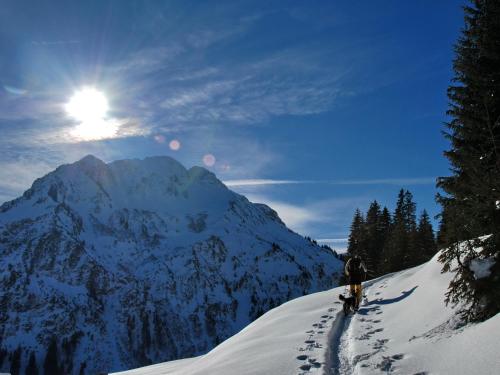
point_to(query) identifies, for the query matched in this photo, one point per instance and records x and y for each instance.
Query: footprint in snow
(314, 363)
(362, 357)
(386, 364)
(380, 344)
(305, 367)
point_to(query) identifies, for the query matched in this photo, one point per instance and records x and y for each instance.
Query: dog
(349, 303)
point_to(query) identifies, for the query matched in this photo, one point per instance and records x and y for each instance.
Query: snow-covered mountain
(403, 327)
(139, 261)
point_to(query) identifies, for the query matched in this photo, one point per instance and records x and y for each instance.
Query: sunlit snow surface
(403, 327)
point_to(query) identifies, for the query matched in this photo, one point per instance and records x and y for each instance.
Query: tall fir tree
(357, 237)
(426, 241)
(374, 240)
(410, 255)
(51, 363)
(15, 362)
(32, 368)
(471, 203)
(397, 242)
(385, 223)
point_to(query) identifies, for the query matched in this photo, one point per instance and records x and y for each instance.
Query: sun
(89, 107)
(88, 104)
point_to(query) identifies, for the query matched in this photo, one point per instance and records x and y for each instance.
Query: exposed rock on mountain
(112, 266)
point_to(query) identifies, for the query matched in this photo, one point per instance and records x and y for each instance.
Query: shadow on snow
(380, 301)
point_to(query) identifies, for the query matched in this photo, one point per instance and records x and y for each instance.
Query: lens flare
(209, 160)
(174, 145)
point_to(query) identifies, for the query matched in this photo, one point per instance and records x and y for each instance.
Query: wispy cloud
(379, 181)
(183, 82)
(17, 175)
(298, 218)
(389, 181)
(334, 240)
(53, 42)
(312, 218)
(259, 182)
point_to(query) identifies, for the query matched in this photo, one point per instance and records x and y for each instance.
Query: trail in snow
(364, 325)
(341, 358)
(334, 360)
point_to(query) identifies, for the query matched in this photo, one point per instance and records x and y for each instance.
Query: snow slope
(403, 327)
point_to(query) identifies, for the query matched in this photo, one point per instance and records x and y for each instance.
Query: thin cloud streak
(380, 181)
(340, 240)
(259, 182)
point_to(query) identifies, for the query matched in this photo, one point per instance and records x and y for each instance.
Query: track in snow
(334, 353)
(338, 359)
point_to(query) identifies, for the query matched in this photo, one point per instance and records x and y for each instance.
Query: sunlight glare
(90, 106)
(87, 104)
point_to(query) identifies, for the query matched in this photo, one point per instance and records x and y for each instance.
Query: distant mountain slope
(403, 327)
(139, 261)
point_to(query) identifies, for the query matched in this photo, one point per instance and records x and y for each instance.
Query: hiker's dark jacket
(355, 271)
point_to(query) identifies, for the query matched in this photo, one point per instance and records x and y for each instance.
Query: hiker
(356, 271)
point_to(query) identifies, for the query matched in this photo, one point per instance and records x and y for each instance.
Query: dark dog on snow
(349, 303)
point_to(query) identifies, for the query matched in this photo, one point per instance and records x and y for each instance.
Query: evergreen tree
(356, 241)
(410, 255)
(32, 368)
(385, 223)
(472, 193)
(374, 238)
(51, 363)
(426, 242)
(15, 362)
(397, 244)
(391, 243)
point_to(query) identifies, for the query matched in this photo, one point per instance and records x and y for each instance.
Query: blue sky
(314, 107)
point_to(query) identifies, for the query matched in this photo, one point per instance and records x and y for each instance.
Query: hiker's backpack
(355, 265)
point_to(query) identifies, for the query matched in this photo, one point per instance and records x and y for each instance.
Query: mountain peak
(114, 251)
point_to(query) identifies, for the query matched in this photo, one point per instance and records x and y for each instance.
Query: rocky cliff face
(113, 266)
